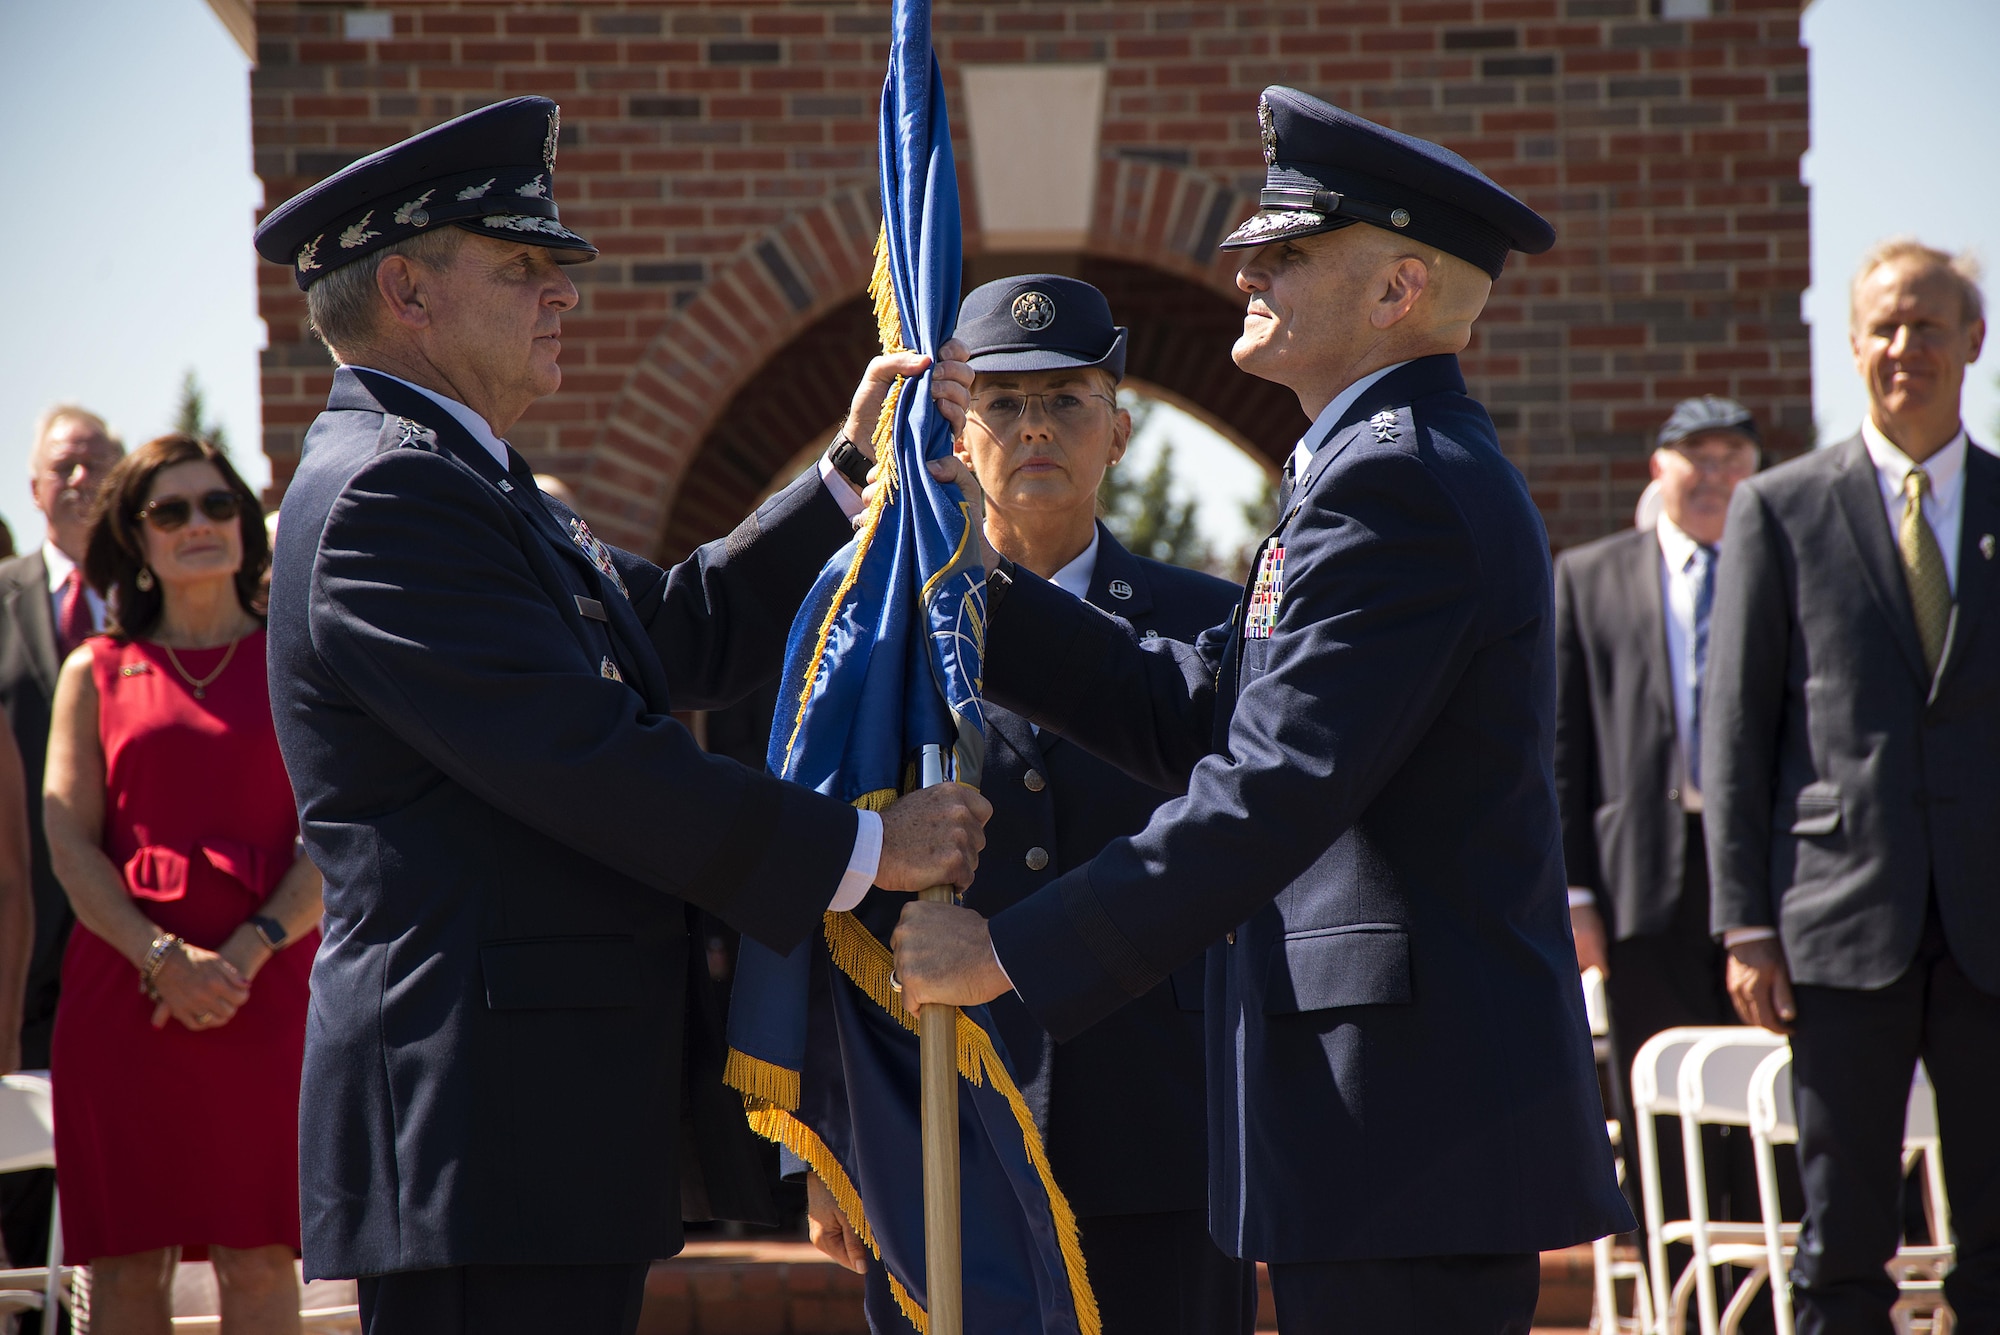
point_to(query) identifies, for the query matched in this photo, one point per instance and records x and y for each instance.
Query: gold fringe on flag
(889, 327)
(758, 1079)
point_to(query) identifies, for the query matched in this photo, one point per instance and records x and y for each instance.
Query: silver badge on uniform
(415, 433)
(1267, 130)
(1034, 311)
(1120, 589)
(609, 670)
(1384, 423)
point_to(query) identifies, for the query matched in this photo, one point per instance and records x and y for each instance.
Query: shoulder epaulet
(403, 433)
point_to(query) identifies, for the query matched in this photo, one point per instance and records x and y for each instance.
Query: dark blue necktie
(1701, 565)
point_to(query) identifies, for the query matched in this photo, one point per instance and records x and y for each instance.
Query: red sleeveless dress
(173, 1137)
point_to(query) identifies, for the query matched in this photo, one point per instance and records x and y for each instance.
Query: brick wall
(722, 156)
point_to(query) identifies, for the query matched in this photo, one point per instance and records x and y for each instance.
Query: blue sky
(134, 201)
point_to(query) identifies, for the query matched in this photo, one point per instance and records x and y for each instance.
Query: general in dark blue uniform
(1403, 1107)
(501, 1122)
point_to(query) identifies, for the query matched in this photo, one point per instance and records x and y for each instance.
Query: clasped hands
(204, 989)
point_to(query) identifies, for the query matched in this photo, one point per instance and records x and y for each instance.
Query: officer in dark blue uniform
(1120, 1105)
(1403, 1107)
(501, 1122)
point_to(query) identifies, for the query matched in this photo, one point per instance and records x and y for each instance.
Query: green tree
(1144, 514)
(191, 418)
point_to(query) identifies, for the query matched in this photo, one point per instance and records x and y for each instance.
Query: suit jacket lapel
(1859, 496)
(1643, 584)
(1117, 566)
(38, 621)
(1979, 531)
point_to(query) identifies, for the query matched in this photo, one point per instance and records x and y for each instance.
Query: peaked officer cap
(490, 171)
(1327, 168)
(1040, 322)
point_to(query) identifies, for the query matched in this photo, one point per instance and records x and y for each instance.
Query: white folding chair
(28, 1140)
(1655, 1093)
(1607, 1270)
(1714, 1090)
(1917, 1268)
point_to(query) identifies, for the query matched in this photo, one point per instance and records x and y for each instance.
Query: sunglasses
(172, 512)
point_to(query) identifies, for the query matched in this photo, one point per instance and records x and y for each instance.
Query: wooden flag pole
(944, 1276)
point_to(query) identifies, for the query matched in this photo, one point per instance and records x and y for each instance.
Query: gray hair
(65, 412)
(342, 306)
(1962, 269)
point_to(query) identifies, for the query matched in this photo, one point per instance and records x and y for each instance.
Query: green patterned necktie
(1923, 569)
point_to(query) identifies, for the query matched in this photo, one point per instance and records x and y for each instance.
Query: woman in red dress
(181, 1027)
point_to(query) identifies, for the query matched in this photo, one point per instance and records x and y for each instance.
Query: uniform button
(1673, 794)
(1038, 858)
(1033, 781)
(1230, 938)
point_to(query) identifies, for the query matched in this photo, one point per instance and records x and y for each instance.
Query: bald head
(1324, 310)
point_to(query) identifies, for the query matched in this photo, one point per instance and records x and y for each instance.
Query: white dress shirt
(1323, 425)
(59, 565)
(1944, 506)
(866, 858)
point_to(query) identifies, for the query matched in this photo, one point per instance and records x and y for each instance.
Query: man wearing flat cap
(1632, 623)
(502, 1120)
(1403, 1106)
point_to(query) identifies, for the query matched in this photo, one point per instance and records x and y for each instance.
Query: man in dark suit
(46, 610)
(1403, 1107)
(502, 1121)
(1120, 1106)
(1632, 627)
(1853, 800)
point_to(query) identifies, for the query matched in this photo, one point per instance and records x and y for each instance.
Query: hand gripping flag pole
(914, 1124)
(943, 1270)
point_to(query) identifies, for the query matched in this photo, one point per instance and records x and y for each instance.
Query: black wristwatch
(848, 460)
(270, 931)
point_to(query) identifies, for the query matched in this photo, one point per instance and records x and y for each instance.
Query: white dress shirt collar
(1675, 544)
(464, 416)
(58, 565)
(1944, 507)
(1074, 578)
(1330, 416)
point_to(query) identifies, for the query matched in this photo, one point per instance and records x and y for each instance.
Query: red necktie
(72, 614)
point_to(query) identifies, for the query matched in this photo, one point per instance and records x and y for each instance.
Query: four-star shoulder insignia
(1384, 423)
(415, 433)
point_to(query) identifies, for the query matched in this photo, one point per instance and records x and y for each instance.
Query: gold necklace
(201, 684)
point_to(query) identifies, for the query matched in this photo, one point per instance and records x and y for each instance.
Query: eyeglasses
(172, 512)
(1004, 407)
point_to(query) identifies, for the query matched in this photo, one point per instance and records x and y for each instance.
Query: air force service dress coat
(1121, 1103)
(475, 718)
(1398, 1062)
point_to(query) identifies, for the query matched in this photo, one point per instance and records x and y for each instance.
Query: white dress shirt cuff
(845, 494)
(1580, 898)
(1737, 936)
(998, 965)
(862, 865)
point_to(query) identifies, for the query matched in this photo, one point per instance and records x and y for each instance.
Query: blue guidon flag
(884, 659)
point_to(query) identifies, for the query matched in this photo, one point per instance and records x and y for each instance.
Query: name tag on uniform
(591, 608)
(1266, 594)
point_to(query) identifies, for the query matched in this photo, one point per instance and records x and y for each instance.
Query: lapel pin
(505, 485)
(1120, 589)
(1986, 546)
(609, 670)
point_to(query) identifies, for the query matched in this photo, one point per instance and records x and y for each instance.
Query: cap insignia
(521, 222)
(1267, 130)
(535, 189)
(1034, 311)
(309, 254)
(1264, 223)
(549, 144)
(360, 234)
(1400, 217)
(413, 214)
(475, 191)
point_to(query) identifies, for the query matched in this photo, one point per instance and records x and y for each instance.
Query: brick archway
(765, 357)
